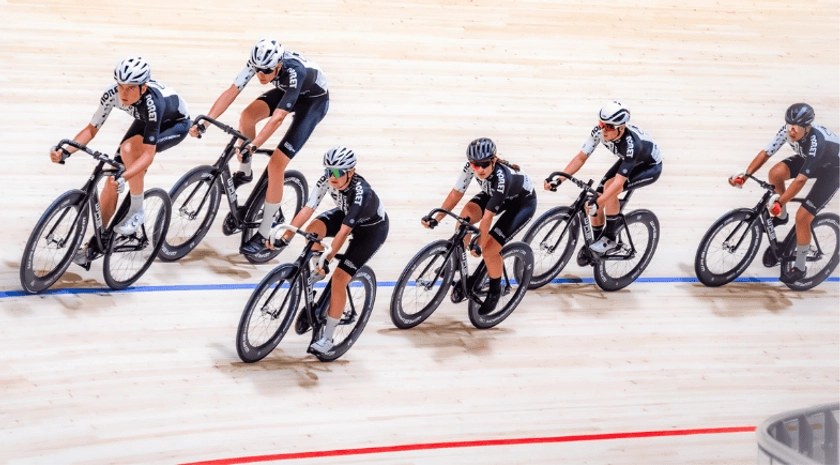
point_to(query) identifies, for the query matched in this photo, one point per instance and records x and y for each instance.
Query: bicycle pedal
(302, 323)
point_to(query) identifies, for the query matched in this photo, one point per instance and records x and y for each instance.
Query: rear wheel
(637, 242)
(823, 254)
(295, 192)
(128, 257)
(552, 238)
(516, 275)
(268, 314)
(422, 285)
(53, 242)
(361, 295)
(727, 248)
(195, 203)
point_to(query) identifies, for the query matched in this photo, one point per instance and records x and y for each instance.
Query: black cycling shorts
(513, 217)
(308, 113)
(365, 240)
(171, 134)
(825, 186)
(640, 176)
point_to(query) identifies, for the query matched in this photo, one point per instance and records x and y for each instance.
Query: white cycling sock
(269, 210)
(136, 204)
(329, 327)
(801, 256)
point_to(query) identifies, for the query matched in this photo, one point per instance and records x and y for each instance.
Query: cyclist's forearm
(299, 220)
(339, 239)
(484, 228)
(757, 162)
(84, 136)
(141, 163)
(793, 189)
(271, 125)
(576, 163)
(223, 102)
(615, 188)
(450, 202)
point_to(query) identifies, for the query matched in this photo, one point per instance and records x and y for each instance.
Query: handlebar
(243, 148)
(765, 185)
(278, 230)
(65, 154)
(587, 186)
(433, 222)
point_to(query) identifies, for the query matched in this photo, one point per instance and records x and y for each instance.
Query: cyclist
(300, 87)
(161, 122)
(505, 191)
(358, 211)
(639, 164)
(816, 157)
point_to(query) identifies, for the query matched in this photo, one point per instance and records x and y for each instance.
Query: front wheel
(53, 242)
(128, 257)
(195, 203)
(268, 314)
(361, 295)
(295, 193)
(422, 285)
(823, 253)
(552, 238)
(637, 242)
(727, 248)
(516, 275)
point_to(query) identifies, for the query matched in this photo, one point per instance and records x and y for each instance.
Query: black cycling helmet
(481, 149)
(799, 114)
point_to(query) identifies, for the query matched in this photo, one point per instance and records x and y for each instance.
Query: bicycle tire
(41, 266)
(714, 263)
(128, 257)
(361, 292)
(518, 269)
(613, 273)
(411, 288)
(824, 253)
(274, 303)
(195, 203)
(557, 225)
(294, 186)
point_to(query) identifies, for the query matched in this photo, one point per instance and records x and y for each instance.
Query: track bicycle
(554, 235)
(272, 307)
(197, 195)
(429, 275)
(61, 229)
(733, 241)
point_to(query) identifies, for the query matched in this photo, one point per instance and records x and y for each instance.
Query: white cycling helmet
(340, 158)
(614, 113)
(134, 70)
(266, 54)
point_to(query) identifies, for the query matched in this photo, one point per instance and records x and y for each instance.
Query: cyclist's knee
(803, 216)
(778, 174)
(340, 279)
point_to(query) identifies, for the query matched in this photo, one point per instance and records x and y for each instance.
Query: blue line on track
(230, 287)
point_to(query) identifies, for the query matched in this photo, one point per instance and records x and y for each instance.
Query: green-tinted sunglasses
(336, 173)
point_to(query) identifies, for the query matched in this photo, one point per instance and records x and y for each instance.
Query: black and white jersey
(299, 77)
(158, 105)
(358, 201)
(504, 185)
(819, 147)
(635, 147)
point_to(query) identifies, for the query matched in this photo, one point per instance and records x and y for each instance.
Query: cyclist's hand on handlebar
(475, 250)
(738, 179)
(197, 130)
(429, 222)
(592, 203)
(244, 153)
(120, 183)
(323, 272)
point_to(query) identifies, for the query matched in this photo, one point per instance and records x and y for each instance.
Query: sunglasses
(604, 125)
(481, 164)
(265, 70)
(336, 173)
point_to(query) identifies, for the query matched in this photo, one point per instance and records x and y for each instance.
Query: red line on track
(463, 444)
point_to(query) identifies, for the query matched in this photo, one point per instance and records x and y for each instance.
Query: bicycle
(197, 195)
(274, 303)
(429, 275)
(60, 230)
(556, 233)
(733, 241)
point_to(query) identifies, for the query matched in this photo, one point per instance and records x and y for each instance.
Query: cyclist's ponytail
(510, 165)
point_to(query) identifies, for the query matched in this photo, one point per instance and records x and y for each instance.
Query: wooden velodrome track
(665, 371)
